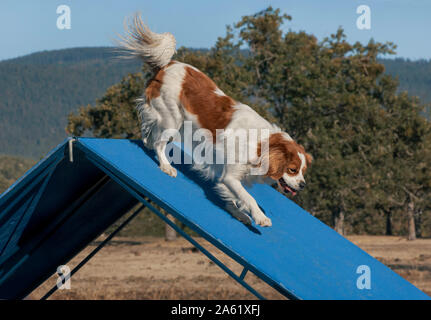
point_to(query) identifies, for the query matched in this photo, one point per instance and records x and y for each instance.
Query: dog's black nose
(302, 185)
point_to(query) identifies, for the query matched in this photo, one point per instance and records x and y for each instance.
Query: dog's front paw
(237, 213)
(263, 221)
(168, 169)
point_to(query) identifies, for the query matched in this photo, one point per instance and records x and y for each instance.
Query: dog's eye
(291, 170)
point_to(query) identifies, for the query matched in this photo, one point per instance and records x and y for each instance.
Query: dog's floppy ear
(308, 158)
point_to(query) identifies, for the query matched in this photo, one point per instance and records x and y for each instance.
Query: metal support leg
(97, 249)
(177, 229)
(243, 273)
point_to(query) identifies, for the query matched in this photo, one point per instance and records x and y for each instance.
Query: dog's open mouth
(285, 187)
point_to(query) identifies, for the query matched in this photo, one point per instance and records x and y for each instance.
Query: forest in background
(38, 91)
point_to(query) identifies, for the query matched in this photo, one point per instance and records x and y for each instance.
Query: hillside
(11, 168)
(38, 91)
(414, 76)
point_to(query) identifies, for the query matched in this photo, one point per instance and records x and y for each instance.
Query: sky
(28, 26)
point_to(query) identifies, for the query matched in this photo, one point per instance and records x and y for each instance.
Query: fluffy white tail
(153, 48)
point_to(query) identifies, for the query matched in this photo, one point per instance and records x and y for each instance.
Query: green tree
(323, 94)
(407, 168)
(11, 168)
(114, 115)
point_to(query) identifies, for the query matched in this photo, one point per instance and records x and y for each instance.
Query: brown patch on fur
(308, 160)
(155, 83)
(283, 154)
(199, 98)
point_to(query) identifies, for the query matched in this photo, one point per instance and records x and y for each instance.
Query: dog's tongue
(290, 190)
(286, 188)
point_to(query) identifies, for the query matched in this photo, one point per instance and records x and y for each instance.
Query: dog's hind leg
(149, 118)
(165, 166)
(161, 126)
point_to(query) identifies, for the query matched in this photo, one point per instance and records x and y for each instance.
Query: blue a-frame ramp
(84, 185)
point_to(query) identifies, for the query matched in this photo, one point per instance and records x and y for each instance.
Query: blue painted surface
(50, 215)
(299, 253)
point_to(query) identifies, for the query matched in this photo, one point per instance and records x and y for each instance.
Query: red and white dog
(179, 92)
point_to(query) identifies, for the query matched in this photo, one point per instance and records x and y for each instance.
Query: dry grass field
(151, 268)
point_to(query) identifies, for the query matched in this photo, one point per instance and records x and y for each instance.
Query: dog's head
(288, 163)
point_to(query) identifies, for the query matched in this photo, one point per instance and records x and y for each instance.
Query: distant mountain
(39, 90)
(414, 76)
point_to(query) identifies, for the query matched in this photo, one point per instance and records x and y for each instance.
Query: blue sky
(28, 26)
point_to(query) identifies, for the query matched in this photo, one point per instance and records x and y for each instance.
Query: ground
(151, 268)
